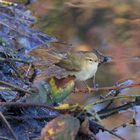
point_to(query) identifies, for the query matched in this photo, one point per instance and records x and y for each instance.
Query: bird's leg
(94, 81)
(89, 89)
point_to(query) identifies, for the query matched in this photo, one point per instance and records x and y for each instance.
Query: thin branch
(116, 87)
(14, 59)
(21, 118)
(7, 3)
(63, 43)
(96, 125)
(108, 112)
(5, 89)
(15, 87)
(110, 103)
(28, 70)
(5, 138)
(89, 106)
(27, 105)
(8, 126)
(112, 133)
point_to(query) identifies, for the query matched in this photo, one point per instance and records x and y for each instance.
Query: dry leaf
(64, 127)
(117, 120)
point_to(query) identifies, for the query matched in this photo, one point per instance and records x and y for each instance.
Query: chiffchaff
(83, 65)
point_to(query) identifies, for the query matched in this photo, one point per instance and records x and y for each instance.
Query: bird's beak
(104, 59)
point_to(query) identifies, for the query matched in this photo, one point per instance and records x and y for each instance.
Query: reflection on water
(112, 26)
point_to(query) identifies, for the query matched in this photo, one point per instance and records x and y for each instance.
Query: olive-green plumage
(83, 65)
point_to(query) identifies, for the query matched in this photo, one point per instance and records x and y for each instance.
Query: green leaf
(61, 88)
(53, 91)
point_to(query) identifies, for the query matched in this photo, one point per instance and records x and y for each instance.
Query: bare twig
(27, 105)
(28, 70)
(63, 43)
(14, 87)
(8, 125)
(108, 112)
(5, 138)
(89, 106)
(7, 3)
(5, 89)
(112, 133)
(96, 125)
(21, 118)
(110, 103)
(14, 59)
(116, 87)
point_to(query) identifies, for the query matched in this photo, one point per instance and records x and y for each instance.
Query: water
(110, 26)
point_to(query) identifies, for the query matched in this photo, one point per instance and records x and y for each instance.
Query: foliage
(50, 93)
(28, 101)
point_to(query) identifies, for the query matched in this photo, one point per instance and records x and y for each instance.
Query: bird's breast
(86, 73)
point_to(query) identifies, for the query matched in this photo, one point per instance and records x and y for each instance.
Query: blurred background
(111, 26)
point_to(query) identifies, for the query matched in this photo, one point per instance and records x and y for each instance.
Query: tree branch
(116, 87)
(89, 106)
(15, 87)
(26, 105)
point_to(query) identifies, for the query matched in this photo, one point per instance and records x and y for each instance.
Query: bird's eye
(90, 60)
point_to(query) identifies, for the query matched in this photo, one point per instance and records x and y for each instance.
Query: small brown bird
(83, 65)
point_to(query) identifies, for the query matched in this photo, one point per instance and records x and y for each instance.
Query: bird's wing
(70, 63)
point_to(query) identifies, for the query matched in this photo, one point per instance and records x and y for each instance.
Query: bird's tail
(46, 55)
